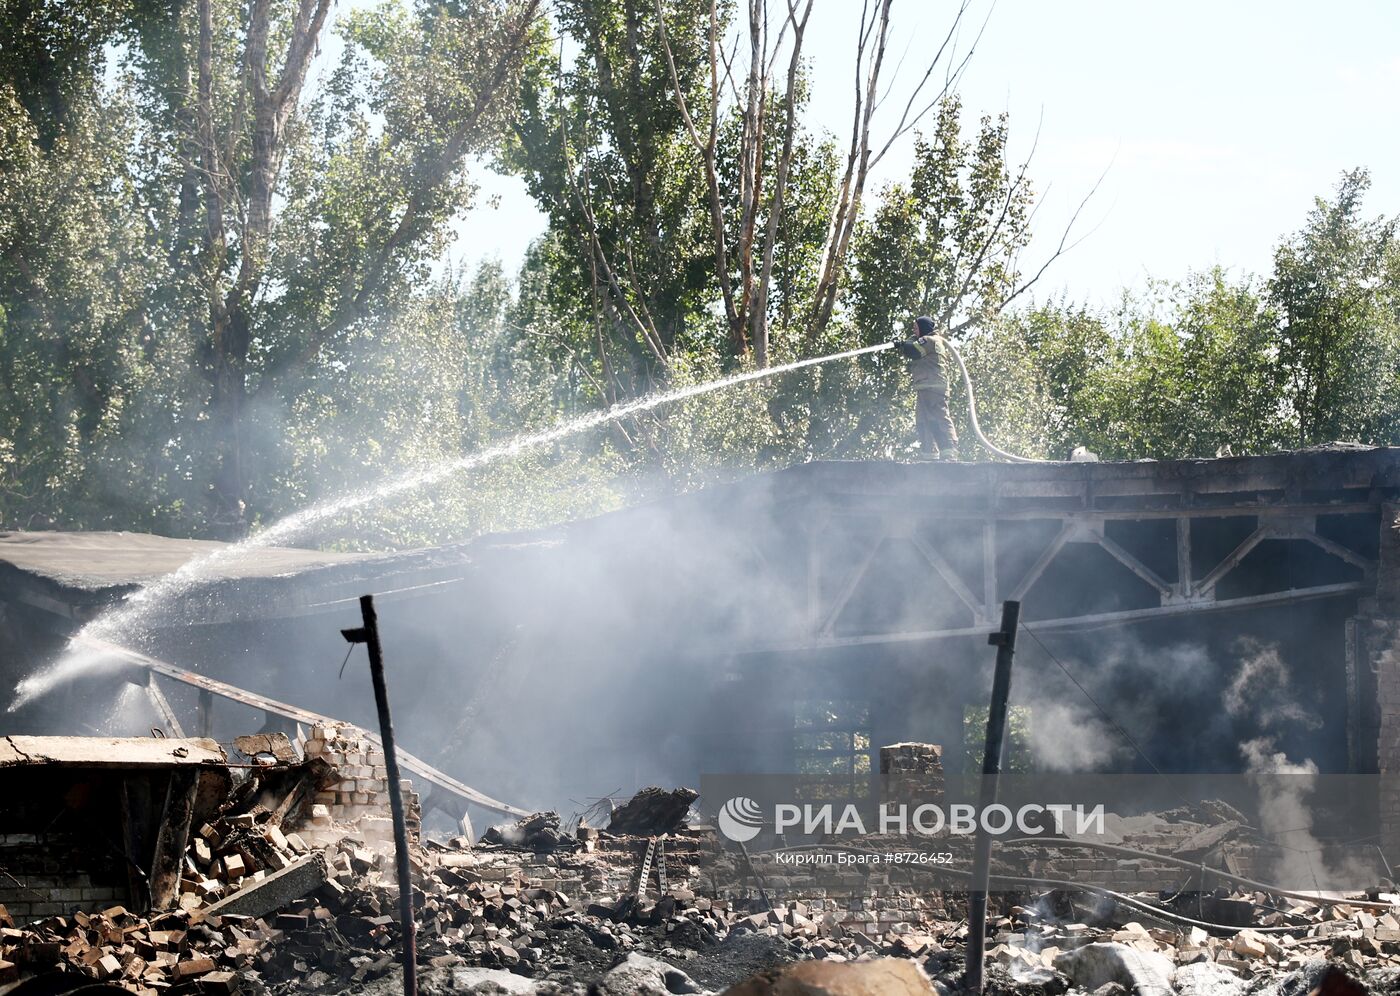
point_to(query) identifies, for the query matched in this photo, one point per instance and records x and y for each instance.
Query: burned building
(788, 621)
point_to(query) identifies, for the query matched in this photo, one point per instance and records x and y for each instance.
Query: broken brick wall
(361, 795)
(913, 771)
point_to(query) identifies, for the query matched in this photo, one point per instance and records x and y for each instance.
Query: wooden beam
(978, 509)
(172, 837)
(305, 716)
(158, 699)
(1336, 549)
(848, 587)
(1136, 566)
(1233, 559)
(946, 572)
(137, 893)
(1183, 557)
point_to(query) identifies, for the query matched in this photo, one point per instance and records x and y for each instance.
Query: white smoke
(1262, 691)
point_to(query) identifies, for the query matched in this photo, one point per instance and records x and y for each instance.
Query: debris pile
(539, 832)
(486, 907)
(1291, 934)
(288, 887)
(653, 811)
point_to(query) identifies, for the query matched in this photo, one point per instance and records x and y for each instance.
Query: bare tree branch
(706, 147)
(1063, 246)
(775, 210)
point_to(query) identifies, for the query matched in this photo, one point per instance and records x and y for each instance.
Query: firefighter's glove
(907, 349)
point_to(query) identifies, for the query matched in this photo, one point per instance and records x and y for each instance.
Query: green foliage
(1210, 365)
(1016, 754)
(173, 333)
(1336, 287)
(52, 54)
(169, 348)
(944, 245)
(602, 148)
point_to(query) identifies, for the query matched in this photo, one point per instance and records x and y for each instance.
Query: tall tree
(1336, 286)
(440, 80)
(207, 230)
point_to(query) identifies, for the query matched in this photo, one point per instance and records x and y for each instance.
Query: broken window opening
(832, 740)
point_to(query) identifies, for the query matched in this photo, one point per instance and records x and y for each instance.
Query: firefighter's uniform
(931, 361)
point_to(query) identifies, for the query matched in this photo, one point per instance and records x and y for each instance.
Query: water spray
(115, 624)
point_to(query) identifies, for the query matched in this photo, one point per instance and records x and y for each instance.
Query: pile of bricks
(1028, 940)
(234, 852)
(361, 796)
(236, 921)
(163, 954)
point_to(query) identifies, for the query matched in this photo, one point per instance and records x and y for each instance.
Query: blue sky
(1218, 123)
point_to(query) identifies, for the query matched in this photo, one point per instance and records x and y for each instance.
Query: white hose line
(972, 416)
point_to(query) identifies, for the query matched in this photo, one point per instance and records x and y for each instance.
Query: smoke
(1071, 736)
(1138, 686)
(1262, 691)
(141, 609)
(665, 640)
(1284, 814)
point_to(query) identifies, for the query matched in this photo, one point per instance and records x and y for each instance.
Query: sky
(1214, 124)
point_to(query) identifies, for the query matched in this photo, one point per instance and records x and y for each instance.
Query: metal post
(368, 634)
(1005, 642)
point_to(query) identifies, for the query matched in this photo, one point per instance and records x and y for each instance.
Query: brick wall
(913, 771)
(1383, 644)
(48, 874)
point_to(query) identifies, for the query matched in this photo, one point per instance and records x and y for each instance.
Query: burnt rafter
(145, 667)
(1171, 566)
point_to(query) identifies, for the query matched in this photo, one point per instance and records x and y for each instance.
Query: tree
(945, 245)
(684, 189)
(366, 207)
(1336, 287)
(89, 373)
(51, 56)
(216, 235)
(1233, 380)
(599, 145)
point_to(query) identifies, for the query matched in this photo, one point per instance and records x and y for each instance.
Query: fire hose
(977, 426)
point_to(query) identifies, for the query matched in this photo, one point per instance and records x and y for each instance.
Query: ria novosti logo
(740, 819)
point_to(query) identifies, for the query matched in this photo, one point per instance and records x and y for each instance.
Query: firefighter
(930, 361)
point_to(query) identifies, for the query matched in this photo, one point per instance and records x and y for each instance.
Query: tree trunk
(228, 404)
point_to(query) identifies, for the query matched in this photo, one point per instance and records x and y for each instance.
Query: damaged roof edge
(109, 752)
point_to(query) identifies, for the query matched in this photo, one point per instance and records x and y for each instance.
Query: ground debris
(538, 832)
(653, 811)
(289, 888)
